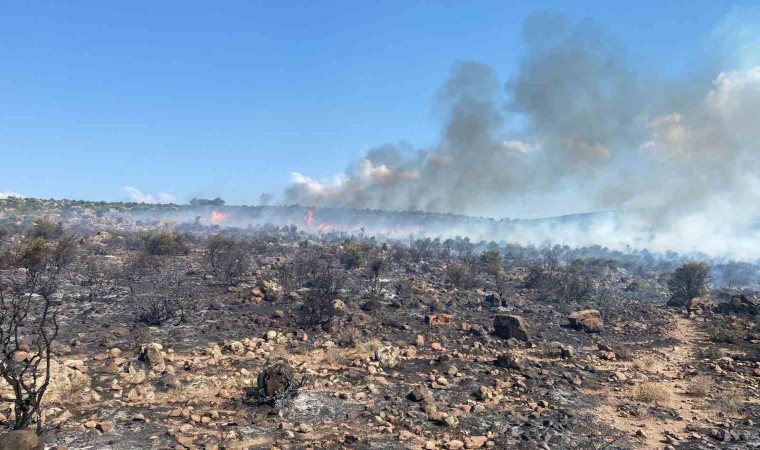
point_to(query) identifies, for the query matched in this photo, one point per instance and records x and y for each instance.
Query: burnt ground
(629, 386)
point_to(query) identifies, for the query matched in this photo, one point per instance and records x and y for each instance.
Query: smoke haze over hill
(577, 129)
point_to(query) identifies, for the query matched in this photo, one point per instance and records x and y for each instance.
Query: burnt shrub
(374, 285)
(228, 258)
(688, 281)
(561, 284)
(157, 289)
(729, 331)
(460, 275)
(318, 308)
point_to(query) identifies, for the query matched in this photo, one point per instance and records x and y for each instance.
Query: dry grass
(367, 349)
(336, 357)
(712, 352)
(65, 384)
(653, 393)
(647, 363)
(729, 402)
(700, 386)
(625, 353)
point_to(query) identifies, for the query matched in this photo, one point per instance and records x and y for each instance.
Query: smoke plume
(137, 196)
(8, 194)
(578, 129)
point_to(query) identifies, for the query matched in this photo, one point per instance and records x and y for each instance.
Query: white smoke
(8, 194)
(137, 196)
(681, 158)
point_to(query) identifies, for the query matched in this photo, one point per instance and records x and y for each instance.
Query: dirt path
(665, 366)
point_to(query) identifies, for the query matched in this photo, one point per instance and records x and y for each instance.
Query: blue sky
(227, 98)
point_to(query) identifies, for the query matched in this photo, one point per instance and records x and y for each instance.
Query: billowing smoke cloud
(578, 129)
(8, 194)
(136, 195)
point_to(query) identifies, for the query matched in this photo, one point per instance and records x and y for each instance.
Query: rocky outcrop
(511, 327)
(588, 320)
(388, 356)
(439, 320)
(150, 354)
(21, 440)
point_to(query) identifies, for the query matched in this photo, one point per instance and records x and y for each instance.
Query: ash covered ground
(180, 333)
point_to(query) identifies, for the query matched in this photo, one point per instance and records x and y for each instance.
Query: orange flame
(218, 217)
(309, 218)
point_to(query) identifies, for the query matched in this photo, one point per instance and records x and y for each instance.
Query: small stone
(105, 427)
(475, 441)
(305, 428)
(454, 444)
(419, 394)
(185, 441)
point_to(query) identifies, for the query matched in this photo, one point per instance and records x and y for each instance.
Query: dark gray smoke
(579, 129)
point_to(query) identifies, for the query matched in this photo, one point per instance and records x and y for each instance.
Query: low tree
(29, 321)
(737, 274)
(206, 202)
(492, 264)
(375, 286)
(688, 281)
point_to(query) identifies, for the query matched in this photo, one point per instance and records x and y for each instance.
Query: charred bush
(460, 275)
(95, 275)
(157, 289)
(561, 285)
(228, 258)
(375, 286)
(318, 307)
(289, 275)
(729, 331)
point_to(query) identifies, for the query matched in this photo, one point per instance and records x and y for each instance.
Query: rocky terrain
(192, 335)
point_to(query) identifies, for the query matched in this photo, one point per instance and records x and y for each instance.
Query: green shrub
(46, 228)
(688, 281)
(354, 254)
(164, 242)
